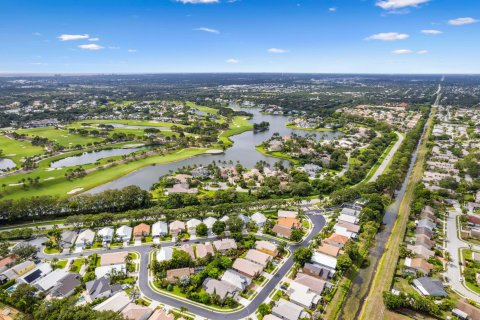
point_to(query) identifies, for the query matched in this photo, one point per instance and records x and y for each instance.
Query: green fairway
(239, 125)
(60, 136)
(54, 183)
(145, 123)
(201, 108)
(16, 150)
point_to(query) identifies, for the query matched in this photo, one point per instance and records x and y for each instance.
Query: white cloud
(232, 61)
(462, 21)
(91, 46)
(70, 37)
(132, 50)
(397, 4)
(402, 51)
(37, 34)
(388, 36)
(276, 50)
(93, 39)
(332, 9)
(197, 1)
(432, 31)
(207, 30)
(422, 51)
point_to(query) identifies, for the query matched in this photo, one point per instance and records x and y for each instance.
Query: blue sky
(321, 36)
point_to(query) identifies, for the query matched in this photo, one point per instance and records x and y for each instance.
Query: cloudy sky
(321, 36)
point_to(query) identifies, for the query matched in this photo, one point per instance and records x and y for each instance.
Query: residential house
(136, 312)
(115, 303)
(109, 259)
(287, 214)
(417, 264)
(346, 228)
(50, 280)
(159, 229)
(421, 251)
(85, 238)
(7, 262)
(282, 231)
(244, 218)
(124, 233)
(106, 234)
(103, 271)
(259, 219)
(141, 230)
(324, 260)
(165, 254)
(68, 238)
(318, 271)
(302, 296)
(429, 287)
(209, 223)
(66, 286)
(192, 226)
(100, 288)
(287, 310)
(329, 249)
(426, 223)
(350, 212)
(224, 245)
(289, 222)
(258, 257)
(36, 273)
(467, 309)
(271, 317)
(201, 173)
(314, 284)
(188, 249)
(348, 218)
(203, 249)
(337, 240)
(267, 247)
(425, 231)
(174, 274)
(177, 227)
(236, 279)
(220, 288)
(161, 314)
(19, 270)
(423, 240)
(246, 267)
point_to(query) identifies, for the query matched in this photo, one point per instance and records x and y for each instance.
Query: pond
(92, 157)
(6, 164)
(242, 151)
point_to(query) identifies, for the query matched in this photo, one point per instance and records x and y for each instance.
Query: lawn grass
(77, 265)
(16, 150)
(61, 264)
(59, 186)
(292, 126)
(146, 123)
(277, 154)
(202, 108)
(238, 125)
(60, 136)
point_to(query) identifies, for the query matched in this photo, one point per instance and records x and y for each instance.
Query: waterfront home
(348, 218)
(350, 212)
(337, 240)
(417, 264)
(324, 260)
(328, 249)
(423, 240)
(201, 173)
(426, 223)
(141, 230)
(425, 231)
(181, 188)
(124, 233)
(159, 229)
(430, 287)
(267, 247)
(106, 234)
(85, 238)
(314, 284)
(318, 271)
(177, 227)
(421, 251)
(246, 267)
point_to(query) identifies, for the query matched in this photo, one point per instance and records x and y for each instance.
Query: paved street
(387, 159)
(453, 244)
(144, 250)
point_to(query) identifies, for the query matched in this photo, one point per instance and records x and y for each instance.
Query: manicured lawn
(61, 264)
(202, 108)
(16, 150)
(61, 136)
(292, 126)
(51, 250)
(77, 265)
(145, 123)
(277, 154)
(238, 125)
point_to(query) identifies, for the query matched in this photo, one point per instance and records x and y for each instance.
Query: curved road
(318, 222)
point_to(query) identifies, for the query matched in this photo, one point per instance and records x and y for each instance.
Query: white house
(124, 233)
(259, 219)
(159, 229)
(106, 234)
(106, 270)
(164, 254)
(209, 223)
(324, 260)
(192, 225)
(85, 238)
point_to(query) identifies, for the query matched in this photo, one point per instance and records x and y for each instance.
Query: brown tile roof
(337, 238)
(247, 268)
(289, 222)
(329, 249)
(177, 273)
(203, 249)
(282, 230)
(349, 226)
(314, 284)
(422, 264)
(258, 257)
(466, 307)
(188, 249)
(113, 258)
(7, 260)
(142, 229)
(473, 218)
(161, 314)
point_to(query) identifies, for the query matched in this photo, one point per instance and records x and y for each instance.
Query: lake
(92, 157)
(242, 151)
(6, 164)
